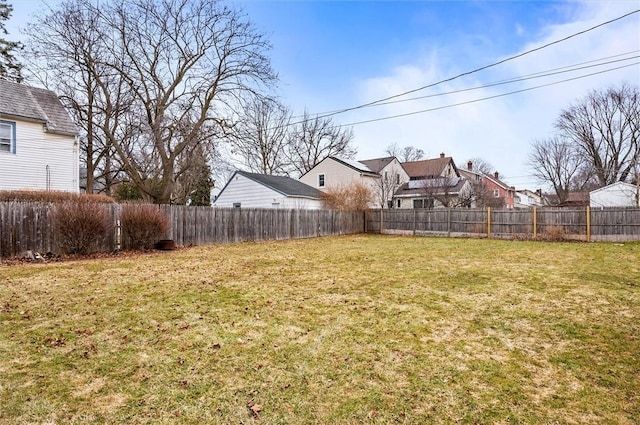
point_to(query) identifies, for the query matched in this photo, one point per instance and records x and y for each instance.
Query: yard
(353, 329)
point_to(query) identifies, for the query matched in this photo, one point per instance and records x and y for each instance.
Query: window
(423, 203)
(389, 204)
(398, 179)
(496, 193)
(386, 176)
(237, 204)
(399, 204)
(320, 180)
(7, 136)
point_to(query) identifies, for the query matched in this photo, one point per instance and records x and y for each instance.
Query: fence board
(28, 225)
(607, 224)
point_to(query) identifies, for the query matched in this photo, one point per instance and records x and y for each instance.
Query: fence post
(449, 222)
(381, 220)
(535, 222)
(414, 221)
(488, 222)
(588, 223)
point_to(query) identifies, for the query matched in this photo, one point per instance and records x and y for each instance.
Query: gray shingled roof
(285, 185)
(21, 102)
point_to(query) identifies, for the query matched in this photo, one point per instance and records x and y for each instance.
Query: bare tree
(9, 67)
(404, 154)
(556, 161)
(313, 139)
(478, 165)
(260, 139)
(171, 74)
(66, 55)
(386, 186)
(604, 128)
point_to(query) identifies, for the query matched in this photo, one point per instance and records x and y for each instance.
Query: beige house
(381, 175)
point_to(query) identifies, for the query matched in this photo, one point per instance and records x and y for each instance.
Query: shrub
(81, 227)
(142, 225)
(353, 197)
(553, 234)
(51, 196)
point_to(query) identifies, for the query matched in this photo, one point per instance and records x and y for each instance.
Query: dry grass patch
(364, 329)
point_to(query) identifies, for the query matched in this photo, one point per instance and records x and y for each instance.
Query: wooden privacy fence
(606, 224)
(28, 226)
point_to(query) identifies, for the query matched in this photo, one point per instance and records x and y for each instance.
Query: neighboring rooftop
(377, 164)
(427, 168)
(21, 102)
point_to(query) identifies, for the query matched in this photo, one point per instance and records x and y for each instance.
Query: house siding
(619, 194)
(251, 194)
(26, 167)
(335, 174)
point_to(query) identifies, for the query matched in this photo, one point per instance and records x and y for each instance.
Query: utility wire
(538, 74)
(513, 80)
(510, 58)
(486, 98)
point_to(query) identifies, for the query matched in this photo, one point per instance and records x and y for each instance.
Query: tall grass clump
(81, 225)
(142, 226)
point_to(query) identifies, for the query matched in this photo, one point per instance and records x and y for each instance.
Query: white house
(38, 141)
(526, 198)
(251, 190)
(618, 194)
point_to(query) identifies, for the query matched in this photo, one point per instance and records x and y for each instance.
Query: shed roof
(285, 185)
(27, 103)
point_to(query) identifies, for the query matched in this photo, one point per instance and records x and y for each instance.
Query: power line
(534, 75)
(487, 98)
(509, 81)
(510, 58)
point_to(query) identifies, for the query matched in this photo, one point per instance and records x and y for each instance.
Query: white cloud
(498, 130)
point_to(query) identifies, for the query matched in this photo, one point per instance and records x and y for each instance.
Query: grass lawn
(347, 330)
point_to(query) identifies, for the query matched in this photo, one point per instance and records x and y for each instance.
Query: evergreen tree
(9, 67)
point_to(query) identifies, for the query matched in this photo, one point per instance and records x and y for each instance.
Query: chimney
(495, 174)
(470, 166)
(442, 155)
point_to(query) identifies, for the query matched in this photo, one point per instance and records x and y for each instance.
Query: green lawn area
(346, 330)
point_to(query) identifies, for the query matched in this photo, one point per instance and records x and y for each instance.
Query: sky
(333, 55)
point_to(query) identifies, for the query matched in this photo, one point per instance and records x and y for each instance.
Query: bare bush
(51, 196)
(142, 225)
(553, 234)
(81, 227)
(353, 197)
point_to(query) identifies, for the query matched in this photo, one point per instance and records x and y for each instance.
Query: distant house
(38, 141)
(618, 194)
(251, 190)
(392, 175)
(526, 198)
(575, 199)
(433, 183)
(496, 192)
(434, 193)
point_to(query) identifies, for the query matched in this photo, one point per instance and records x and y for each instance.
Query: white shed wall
(26, 169)
(618, 194)
(251, 194)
